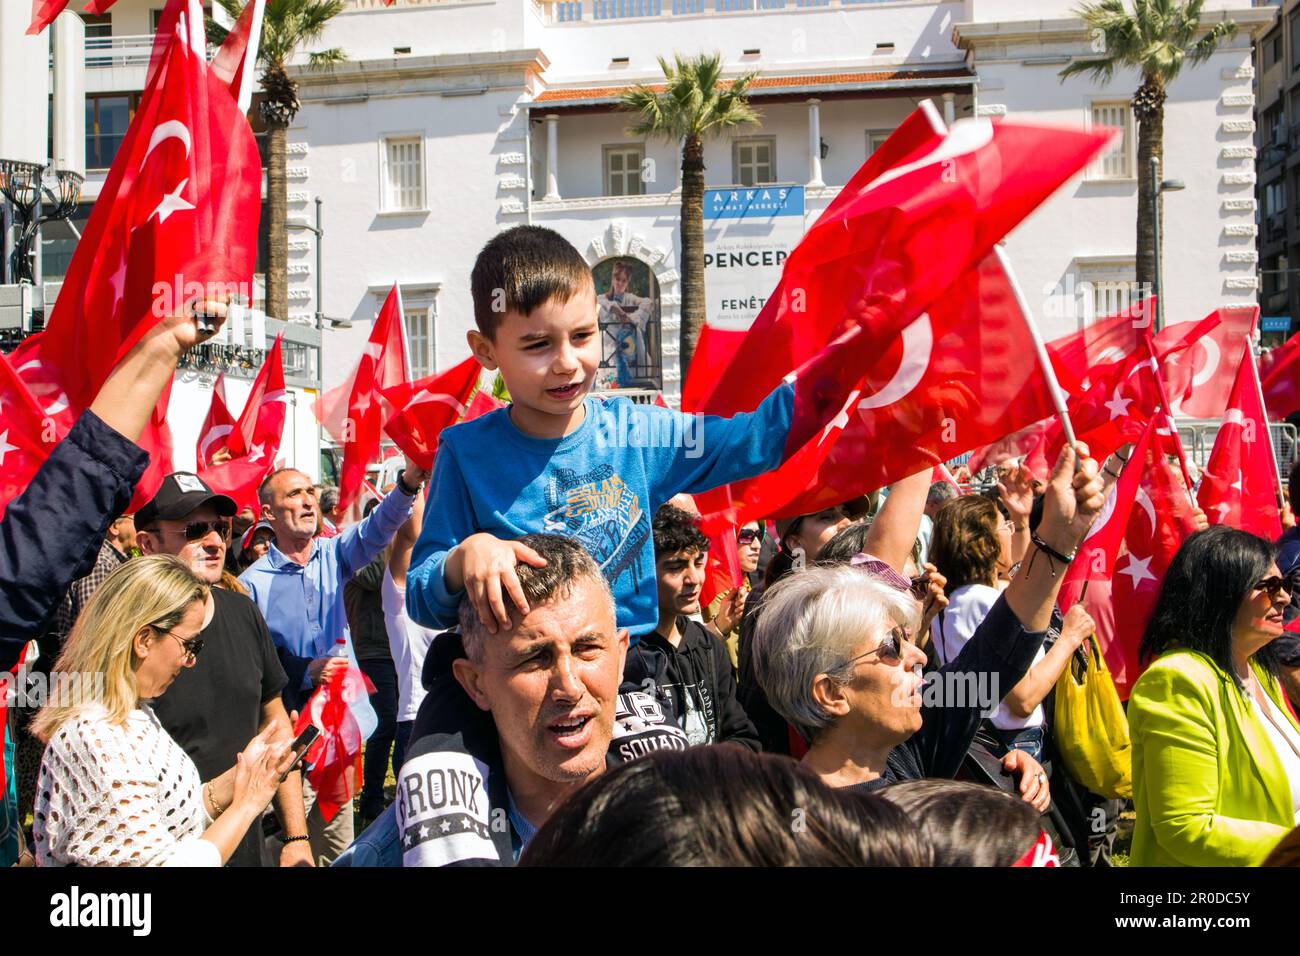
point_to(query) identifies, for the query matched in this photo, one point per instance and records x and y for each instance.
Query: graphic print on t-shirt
(603, 514)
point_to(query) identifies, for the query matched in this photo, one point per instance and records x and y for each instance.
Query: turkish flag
(957, 378)
(233, 65)
(261, 423)
(255, 437)
(1280, 370)
(219, 428)
(722, 573)
(714, 351)
(482, 404)
(1200, 378)
(176, 220)
(1239, 487)
(335, 756)
(426, 406)
(1161, 520)
(1089, 575)
(924, 210)
(1080, 357)
(27, 436)
(353, 412)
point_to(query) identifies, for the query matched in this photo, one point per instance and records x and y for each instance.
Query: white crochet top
(112, 795)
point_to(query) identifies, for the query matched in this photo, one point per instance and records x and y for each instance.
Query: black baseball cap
(182, 493)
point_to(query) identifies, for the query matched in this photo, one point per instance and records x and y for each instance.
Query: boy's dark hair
(675, 530)
(522, 268)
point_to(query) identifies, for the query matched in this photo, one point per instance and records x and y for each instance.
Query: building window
(107, 118)
(623, 170)
(1116, 162)
(753, 161)
(1283, 276)
(419, 338)
(403, 174)
(876, 138)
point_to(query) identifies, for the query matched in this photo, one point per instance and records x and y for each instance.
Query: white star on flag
(1139, 569)
(171, 202)
(257, 452)
(1118, 406)
(5, 447)
(1223, 508)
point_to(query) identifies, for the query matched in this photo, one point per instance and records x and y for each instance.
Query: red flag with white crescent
(176, 220)
(1239, 484)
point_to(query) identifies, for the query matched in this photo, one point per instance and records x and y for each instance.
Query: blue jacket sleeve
(51, 533)
(448, 520)
(361, 543)
(716, 451)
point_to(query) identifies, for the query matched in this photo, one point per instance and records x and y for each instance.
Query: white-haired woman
(834, 653)
(115, 789)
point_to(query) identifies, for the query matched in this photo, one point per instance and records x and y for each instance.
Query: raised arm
(893, 531)
(51, 533)
(399, 557)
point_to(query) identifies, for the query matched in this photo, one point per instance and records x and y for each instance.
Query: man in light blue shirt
(298, 583)
(298, 586)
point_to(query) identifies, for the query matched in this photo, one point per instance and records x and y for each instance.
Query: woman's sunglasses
(746, 536)
(890, 647)
(1274, 585)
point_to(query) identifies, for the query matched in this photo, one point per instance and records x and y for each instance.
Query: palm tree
(286, 26)
(1157, 38)
(695, 104)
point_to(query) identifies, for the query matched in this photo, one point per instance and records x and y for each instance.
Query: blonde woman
(115, 789)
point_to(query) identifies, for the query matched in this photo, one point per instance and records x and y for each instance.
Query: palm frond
(695, 101)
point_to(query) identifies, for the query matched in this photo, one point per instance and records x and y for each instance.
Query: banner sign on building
(748, 233)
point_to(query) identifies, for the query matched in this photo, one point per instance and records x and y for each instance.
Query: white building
(453, 120)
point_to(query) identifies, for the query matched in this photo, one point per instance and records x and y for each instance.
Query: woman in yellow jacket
(1216, 750)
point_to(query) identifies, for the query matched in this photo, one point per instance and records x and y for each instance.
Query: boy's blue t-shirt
(600, 484)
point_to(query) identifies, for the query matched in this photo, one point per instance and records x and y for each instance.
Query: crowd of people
(549, 683)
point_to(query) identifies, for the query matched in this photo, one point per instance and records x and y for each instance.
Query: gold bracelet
(211, 801)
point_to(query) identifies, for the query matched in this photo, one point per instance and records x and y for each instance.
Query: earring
(797, 559)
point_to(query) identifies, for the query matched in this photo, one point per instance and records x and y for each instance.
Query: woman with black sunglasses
(1216, 750)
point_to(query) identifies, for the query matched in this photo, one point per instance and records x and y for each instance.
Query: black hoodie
(697, 683)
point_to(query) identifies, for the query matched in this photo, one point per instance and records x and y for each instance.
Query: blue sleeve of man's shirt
(722, 450)
(448, 520)
(361, 543)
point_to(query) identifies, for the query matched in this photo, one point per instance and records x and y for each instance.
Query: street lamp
(1158, 187)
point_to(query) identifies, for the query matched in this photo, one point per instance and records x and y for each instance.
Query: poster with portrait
(627, 301)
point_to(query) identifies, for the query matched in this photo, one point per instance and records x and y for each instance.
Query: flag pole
(1167, 408)
(1263, 410)
(1040, 348)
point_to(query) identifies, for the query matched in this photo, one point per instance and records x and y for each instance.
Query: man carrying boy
(561, 461)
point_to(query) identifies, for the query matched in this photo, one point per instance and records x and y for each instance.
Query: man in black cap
(214, 710)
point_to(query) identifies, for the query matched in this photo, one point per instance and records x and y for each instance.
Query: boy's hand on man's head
(483, 566)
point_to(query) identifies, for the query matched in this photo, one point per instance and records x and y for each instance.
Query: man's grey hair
(940, 492)
(567, 563)
(329, 499)
(811, 623)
